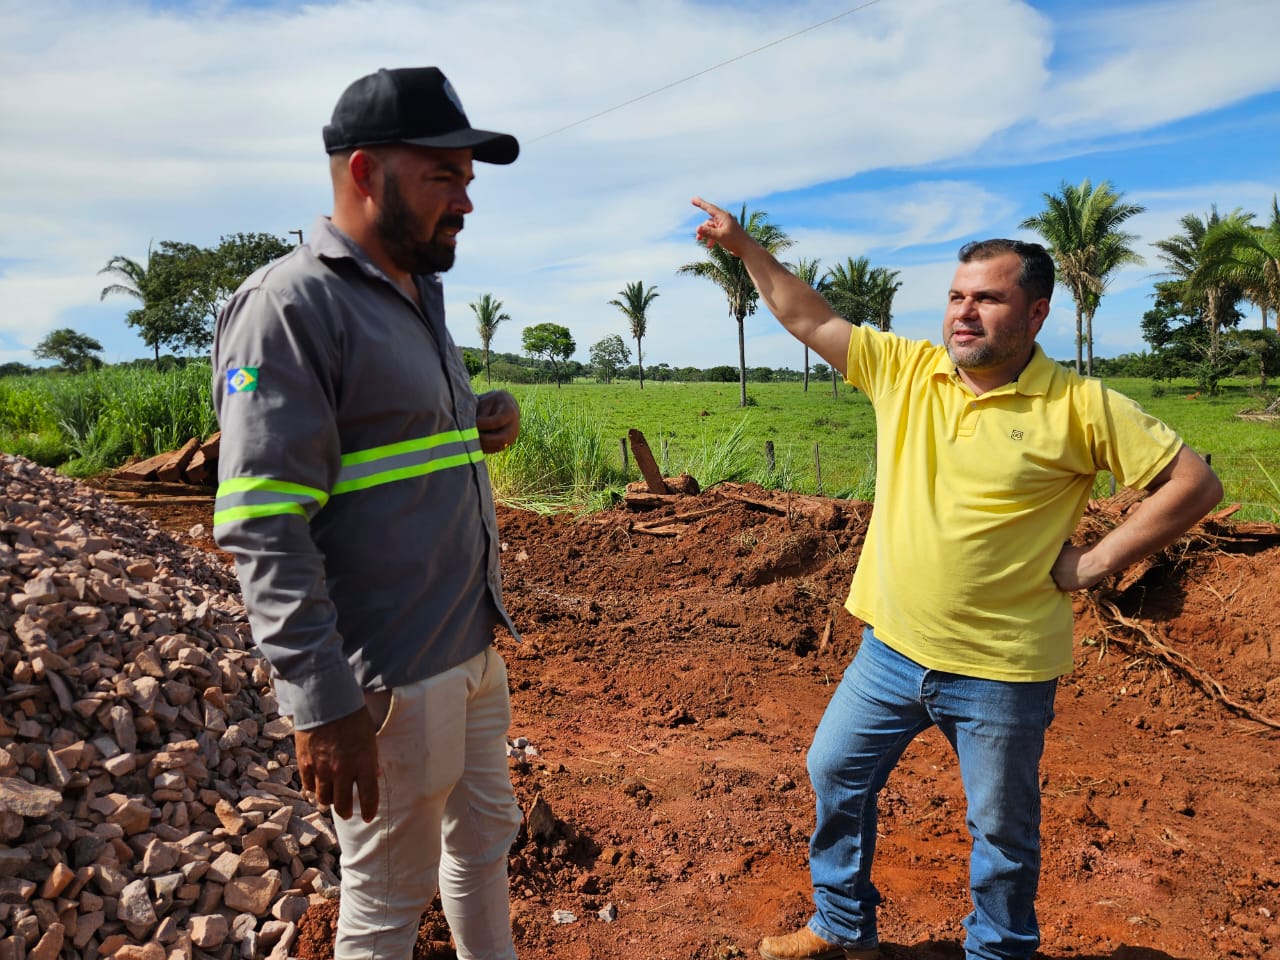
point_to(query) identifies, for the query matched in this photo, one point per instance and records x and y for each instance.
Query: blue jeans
(997, 731)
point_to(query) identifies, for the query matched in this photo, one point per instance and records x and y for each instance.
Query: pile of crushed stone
(150, 805)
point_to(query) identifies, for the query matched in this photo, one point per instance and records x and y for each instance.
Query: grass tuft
(90, 422)
(560, 462)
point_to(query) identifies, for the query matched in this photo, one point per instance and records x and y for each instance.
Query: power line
(694, 76)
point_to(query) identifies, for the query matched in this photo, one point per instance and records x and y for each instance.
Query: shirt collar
(1037, 375)
(328, 242)
(1033, 381)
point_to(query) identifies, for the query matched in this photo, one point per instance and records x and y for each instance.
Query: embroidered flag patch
(242, 380)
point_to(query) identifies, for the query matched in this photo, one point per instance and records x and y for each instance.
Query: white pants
(447, 814)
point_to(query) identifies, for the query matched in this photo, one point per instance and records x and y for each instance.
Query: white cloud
(1149, 63)
(124, 124)
(891, 219)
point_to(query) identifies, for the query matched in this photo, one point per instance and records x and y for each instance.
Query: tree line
(1212, 265)
(555, 344)
(525, 368)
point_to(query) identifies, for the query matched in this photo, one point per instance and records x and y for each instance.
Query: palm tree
(862, 294)
(135, 282)
(134, 273)
(848, 291)
(1208, 290)
(884, 284)
(634, 303)
(728, 273)
(849, 286)
(489, 314)
(1249, 256)
(807, 270)
(1081, 225)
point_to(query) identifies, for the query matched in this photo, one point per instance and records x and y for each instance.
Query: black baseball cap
(415, 105)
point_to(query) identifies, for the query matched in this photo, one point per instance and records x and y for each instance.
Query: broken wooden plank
(204, 462)
(1223, 513)
(661, 530)
(1249, 530)
(670, 526)
(697, 514)
(171, 470)
(143, 469)
(644, 460)
(822, 512)
(771, 505)
(197, 470)
(116, 485)
(682, 484)
(639, 500)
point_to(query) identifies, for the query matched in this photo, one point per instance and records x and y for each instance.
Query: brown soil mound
(670, 681)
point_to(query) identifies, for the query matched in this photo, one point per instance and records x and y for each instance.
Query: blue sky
(897, 132)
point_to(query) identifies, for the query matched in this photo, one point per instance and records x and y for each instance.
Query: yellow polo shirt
(974, 499)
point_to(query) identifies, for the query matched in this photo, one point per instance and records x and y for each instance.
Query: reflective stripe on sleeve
(410, 458)
(242, 498)
(245, 498)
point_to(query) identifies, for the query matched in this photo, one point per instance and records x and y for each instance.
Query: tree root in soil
(1208, 537)
(1130, 633)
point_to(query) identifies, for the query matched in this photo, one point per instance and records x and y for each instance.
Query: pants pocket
(380, 704)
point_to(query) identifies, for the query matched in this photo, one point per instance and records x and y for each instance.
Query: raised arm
(802, 310)
(1180, 495)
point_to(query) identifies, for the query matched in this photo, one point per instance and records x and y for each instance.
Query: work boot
(804, 944)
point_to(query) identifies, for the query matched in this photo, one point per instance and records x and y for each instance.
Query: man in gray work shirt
(354, 496)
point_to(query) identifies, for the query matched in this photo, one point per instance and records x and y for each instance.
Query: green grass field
(570, 450)
(699, 428)
(684, 422)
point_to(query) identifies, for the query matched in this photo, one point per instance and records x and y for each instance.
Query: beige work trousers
(447, 815)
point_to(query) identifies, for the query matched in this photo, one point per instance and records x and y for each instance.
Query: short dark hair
(1036, 277)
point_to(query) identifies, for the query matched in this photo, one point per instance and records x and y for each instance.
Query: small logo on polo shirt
(242, 380)
(1016, 435)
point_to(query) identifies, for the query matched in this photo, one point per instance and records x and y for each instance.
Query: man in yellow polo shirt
(986, 451)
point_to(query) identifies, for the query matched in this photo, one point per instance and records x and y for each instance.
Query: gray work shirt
(352, 490)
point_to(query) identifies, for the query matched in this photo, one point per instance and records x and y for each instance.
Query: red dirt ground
(670, 683)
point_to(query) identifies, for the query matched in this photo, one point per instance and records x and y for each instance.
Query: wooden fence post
(817, 468)
(622, 447)
(768, 456)
(644, 460)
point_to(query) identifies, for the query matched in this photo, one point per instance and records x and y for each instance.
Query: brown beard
(399, 229)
